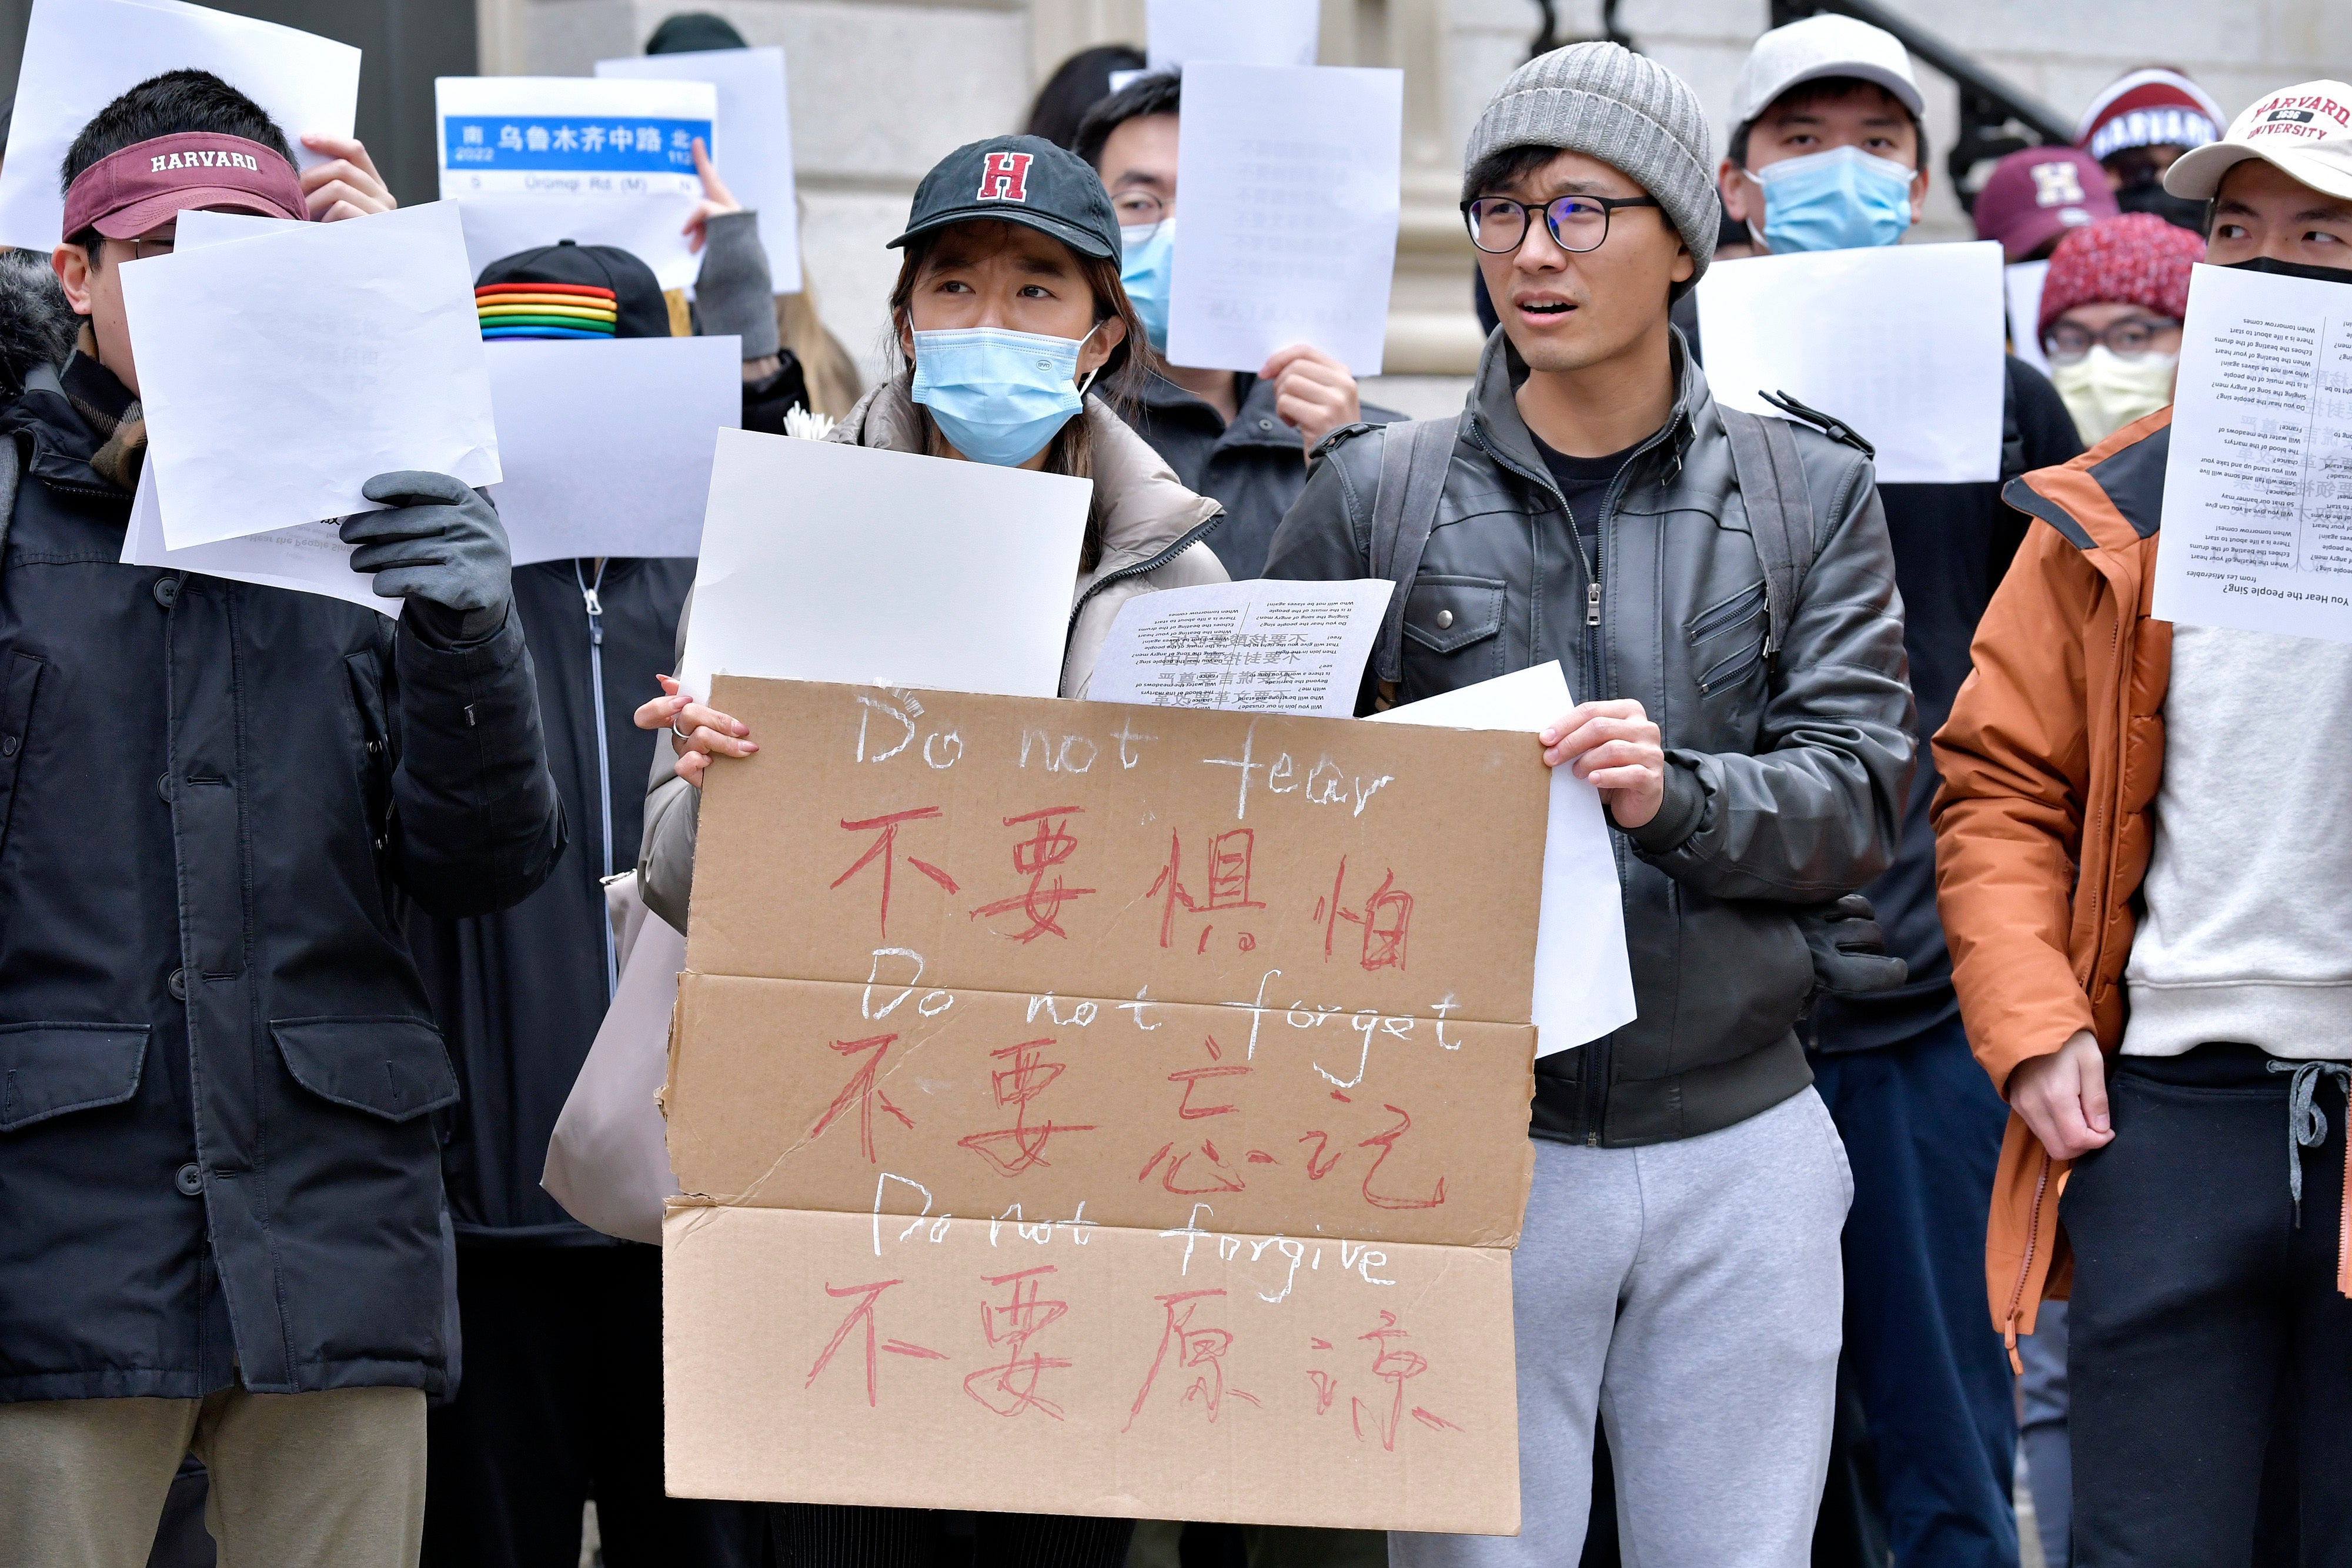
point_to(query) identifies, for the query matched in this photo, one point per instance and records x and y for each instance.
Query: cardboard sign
(1105, 1110)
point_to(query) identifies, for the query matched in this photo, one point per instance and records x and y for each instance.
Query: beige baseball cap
(2305, 130)
(1818, 47)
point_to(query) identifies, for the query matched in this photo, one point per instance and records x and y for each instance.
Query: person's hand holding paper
(346, 186)
(437, 544)
(362, 334)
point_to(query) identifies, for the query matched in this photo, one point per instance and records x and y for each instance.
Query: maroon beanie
(2136, 259)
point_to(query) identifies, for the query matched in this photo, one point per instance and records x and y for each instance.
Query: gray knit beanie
(1624, 108)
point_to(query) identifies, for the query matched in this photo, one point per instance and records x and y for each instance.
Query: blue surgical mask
(1844, 199)
(999, 395)
(1146, 255)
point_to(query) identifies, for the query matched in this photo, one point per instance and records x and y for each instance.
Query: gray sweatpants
(1690, 1293)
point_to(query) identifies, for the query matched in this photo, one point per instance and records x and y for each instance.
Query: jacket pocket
(22, 679)
(392, 1067)
(1745, 606)
(1452, 629)
(50, 1069)
(1732, 669)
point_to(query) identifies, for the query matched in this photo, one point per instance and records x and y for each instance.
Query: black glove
(440, 547)
(1848, 948)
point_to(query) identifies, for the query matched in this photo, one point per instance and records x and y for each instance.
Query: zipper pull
(1592, 604)
(595, 616)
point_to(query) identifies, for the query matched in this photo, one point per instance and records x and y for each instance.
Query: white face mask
(2105, 391)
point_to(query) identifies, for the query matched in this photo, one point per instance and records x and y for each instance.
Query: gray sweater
(2247, 931)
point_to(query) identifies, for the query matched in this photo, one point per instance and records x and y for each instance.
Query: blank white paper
(2258, 484)
(606, 446)
(755, 124)
(1903, 343)
(651, 228)
(2022, 281)
(309, 558)
(1584, 985)
(1291, 190)
(82, 54)
(1266, 646)
(1252, 32)
(823, 561)
(279, 373)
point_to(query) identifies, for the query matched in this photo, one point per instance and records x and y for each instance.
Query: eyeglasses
(2132, 336)
(142, 248)
(1498, 226)
(1139, 209)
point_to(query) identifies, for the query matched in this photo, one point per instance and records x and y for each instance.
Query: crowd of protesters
(1986, 932)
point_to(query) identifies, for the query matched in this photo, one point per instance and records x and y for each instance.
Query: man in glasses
(2110, 322)
(1678, 1271)
(1239, 439)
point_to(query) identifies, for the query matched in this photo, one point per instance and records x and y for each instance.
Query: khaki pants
(331, 1480)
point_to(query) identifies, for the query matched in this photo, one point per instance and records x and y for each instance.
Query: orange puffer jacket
(2050, 762)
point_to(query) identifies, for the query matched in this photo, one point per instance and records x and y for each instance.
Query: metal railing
(1996, 116)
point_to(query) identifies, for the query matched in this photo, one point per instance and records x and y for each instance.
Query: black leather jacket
(1785, 775)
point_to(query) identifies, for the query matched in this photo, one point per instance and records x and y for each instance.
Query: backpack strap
(1771, 481)
(1404, 509)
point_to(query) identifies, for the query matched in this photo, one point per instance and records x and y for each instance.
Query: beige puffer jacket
(1153, 528)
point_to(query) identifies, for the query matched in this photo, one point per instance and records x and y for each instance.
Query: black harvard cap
(641, 311)
(1018, 180)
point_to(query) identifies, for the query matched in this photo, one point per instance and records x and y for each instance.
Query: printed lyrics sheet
(1248, 647)
(2258, 491)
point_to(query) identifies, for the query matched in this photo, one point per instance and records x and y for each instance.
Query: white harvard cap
(2306, 131)
(1818, 47)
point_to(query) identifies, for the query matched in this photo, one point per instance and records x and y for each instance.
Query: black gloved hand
(441, 547)
(1848, 948)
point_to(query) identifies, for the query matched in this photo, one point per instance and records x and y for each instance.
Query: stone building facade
(881, 87)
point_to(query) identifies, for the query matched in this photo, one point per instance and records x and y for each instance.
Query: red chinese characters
(1199, 1351)
(1011, 1387)
(1014, 1149)
(883, 849)
(1045, 851)
(862, 1313)
(863, 1092)
(1227, 887)
(1385, 917)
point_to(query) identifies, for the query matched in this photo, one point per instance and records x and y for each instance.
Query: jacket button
(8, 744)
(163, 788)
(1444, 619)
(167, 591)
(1265, 425)
(374, 746)
(178, 985)
(189, 1180)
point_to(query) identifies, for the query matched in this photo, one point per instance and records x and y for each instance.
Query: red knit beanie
(2136, 259)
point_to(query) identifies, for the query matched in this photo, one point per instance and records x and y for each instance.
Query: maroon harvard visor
(125, 194)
